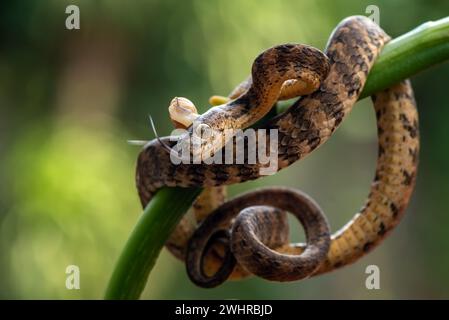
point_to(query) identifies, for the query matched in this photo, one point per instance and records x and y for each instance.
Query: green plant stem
(401, 58)
(155, 225)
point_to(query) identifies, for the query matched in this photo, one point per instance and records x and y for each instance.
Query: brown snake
(249, 234)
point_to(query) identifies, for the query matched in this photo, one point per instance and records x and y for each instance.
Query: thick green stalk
(419, 49)
(138, 257)
(404, 56)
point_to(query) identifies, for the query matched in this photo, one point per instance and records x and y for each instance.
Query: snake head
(202, 141)
(206, 140)
(204, 133)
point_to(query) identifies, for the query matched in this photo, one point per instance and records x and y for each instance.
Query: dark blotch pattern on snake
(249, 233)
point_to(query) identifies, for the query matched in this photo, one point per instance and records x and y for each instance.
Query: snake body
(251, 229)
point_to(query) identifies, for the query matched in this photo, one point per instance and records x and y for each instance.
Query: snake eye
(202, 131)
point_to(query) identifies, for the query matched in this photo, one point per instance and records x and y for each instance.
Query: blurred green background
(70, 99)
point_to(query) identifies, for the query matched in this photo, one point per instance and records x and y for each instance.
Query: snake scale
(249, 234)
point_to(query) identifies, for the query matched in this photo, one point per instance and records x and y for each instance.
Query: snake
(249, 234)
